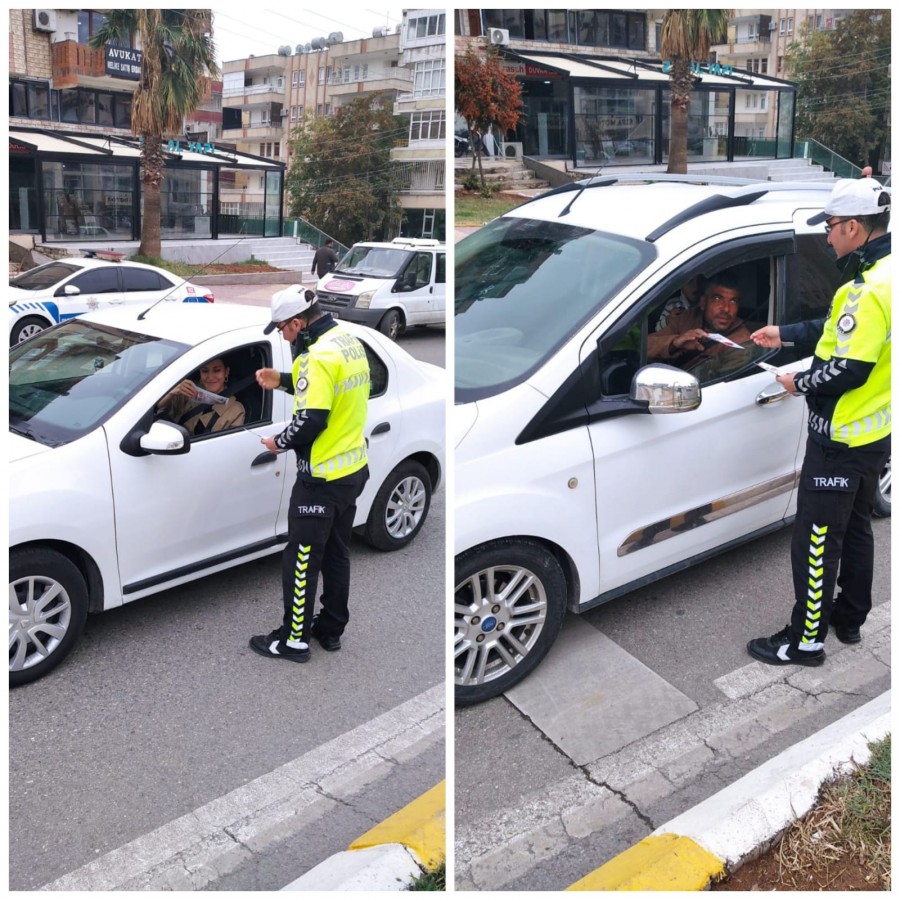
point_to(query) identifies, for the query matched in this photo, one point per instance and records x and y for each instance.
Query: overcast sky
(241, 29)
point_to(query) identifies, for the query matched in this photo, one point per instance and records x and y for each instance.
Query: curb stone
(714, 838)
(389, 856)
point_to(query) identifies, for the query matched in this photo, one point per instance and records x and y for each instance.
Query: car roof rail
(748, 192)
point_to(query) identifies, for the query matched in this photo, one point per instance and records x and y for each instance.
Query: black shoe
(777, 651)
(329, 642)
(846, 634)
(272, 646)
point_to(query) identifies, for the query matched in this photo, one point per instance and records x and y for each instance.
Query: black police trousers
(832, 542)
(320, 525)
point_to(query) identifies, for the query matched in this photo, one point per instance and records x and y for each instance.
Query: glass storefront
(614, 124)
(87, 201)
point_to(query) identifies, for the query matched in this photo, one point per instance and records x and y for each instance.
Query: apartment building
(421, 162)
(265, 97)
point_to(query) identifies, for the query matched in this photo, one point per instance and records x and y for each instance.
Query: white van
(388, 286)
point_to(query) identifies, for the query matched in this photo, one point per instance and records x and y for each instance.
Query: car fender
(46, 310)
(48, 506)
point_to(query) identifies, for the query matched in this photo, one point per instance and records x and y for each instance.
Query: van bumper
(369, 317)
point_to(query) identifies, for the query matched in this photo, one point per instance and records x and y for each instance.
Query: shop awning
(47, 141)
(641, 71)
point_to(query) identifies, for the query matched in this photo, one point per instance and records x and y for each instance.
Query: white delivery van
(388, 286)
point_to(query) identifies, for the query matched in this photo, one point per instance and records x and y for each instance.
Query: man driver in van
(685, 342)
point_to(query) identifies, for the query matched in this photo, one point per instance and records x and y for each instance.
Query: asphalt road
(551, 782)
(162, 719)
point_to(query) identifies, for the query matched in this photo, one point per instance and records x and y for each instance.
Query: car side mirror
(165, 439)
(665, 389)
(69, 290)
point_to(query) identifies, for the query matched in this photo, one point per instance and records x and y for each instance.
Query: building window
(427, 126)
(302, 78)
(321, 74)
(29, 99)
(429, 78)
(89, 23)
(425, 26)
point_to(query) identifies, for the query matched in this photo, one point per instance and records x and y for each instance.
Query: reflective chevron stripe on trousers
(832, 542)
(320, 525)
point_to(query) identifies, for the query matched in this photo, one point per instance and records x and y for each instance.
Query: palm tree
(179, 62)
(686, 36)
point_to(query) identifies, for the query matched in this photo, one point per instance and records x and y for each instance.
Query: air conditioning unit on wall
(499, 36)
(45, 20)
(512, 150)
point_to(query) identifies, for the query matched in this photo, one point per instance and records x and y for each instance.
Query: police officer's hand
(787, 382)
(268, 378)
(269, 443)
(768, 336)
(690, 340)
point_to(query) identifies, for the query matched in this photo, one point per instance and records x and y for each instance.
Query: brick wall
(29, 50)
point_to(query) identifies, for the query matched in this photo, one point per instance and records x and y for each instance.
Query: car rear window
(144, 280)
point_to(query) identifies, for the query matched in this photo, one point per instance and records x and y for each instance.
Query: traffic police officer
(330, 383)
(848, 394)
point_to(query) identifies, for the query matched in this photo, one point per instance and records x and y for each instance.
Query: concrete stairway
(281, 252)
(797, 170)
(507, 174)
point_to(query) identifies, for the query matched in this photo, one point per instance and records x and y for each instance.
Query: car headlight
(364, 299)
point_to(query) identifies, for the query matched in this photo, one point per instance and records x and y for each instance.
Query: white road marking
(196, 849)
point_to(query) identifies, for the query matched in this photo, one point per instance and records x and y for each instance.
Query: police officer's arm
(803, 335)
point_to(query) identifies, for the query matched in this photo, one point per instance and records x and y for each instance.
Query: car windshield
(523, 287)
(66, 381)
(43, 277)
(374, 262)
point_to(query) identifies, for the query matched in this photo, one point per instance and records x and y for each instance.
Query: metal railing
(807, 148)
(424, 176)
(304, 232)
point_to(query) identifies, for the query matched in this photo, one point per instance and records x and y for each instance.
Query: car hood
(23, 447)
(350, 284)
(16, 295)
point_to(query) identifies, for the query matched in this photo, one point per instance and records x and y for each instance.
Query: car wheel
(26, 328)
(48, 605)
(400, 507)
(883, 492)
(508, 608)
(391, 324)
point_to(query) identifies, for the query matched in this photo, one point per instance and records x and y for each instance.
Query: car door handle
(264, 459)
(771, 394)
(381, 428)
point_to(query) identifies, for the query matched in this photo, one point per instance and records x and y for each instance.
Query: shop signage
(18, 148)
(191, 147)
(700, 68)
(528, 70)
(121, 62)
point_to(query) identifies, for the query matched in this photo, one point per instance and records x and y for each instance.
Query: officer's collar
(876, 249)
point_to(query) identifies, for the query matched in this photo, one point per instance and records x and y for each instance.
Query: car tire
(50, 614)
(26, 328)
(508, 587)
(882, 507)
(400, 507)
(391, 324)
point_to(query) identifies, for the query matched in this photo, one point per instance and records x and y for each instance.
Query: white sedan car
(108, 503)
(65, 288)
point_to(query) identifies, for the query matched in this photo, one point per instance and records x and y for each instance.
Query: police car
(108, 502)
(584, 468)
(69, 287)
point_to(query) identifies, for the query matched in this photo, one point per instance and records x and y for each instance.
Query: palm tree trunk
(681, 87)
(152, 162)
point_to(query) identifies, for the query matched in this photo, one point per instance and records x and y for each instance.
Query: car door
(439, 305)
(672, 488)
(418, 293)
(98, 287)
(222, 500)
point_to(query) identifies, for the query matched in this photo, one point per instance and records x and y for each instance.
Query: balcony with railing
(78, 64)
(375, 79)
(421, 176)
